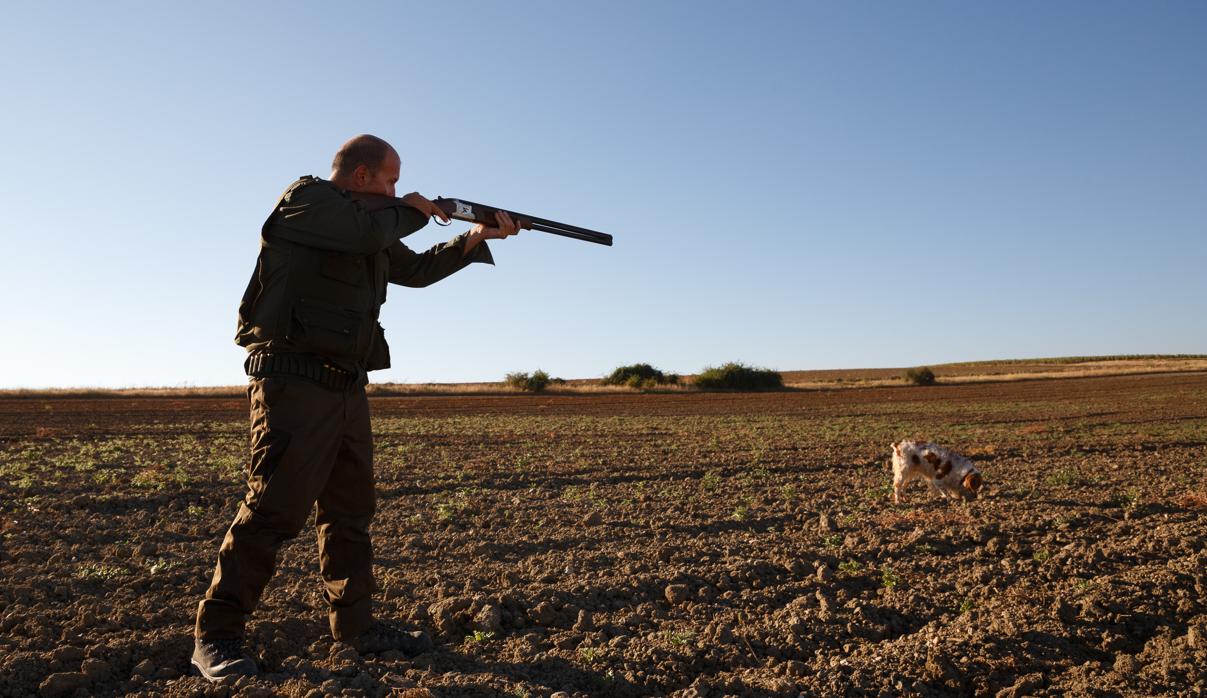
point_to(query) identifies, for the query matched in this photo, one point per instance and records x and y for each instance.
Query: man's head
(367, 164)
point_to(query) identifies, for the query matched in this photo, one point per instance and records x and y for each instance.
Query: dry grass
(573, 387)
(950, 374)
(990, 372)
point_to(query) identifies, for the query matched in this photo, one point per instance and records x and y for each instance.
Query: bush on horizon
(736, 376)
(920, 376)
(534, 383)
(639, 376)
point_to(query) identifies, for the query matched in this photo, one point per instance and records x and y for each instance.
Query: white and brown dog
(944, 470)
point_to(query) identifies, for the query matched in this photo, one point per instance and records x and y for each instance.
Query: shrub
(734, 376)
(534, 383)
(639, 376)
(920, 376)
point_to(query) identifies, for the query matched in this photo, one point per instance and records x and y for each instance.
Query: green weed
(92, 571)
(589, 654)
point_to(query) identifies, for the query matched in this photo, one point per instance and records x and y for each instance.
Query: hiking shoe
(383, 637)
(218, 659)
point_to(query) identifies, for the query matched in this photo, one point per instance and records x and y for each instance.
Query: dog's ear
(896, 448)
(973, 482)
(932, 458)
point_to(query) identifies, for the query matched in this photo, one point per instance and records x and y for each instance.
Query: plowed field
(679, 544)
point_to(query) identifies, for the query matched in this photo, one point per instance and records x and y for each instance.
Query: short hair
(365, 150)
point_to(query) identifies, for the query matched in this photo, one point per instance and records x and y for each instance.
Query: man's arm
(319, 215)
(416, 270)
(419, 269)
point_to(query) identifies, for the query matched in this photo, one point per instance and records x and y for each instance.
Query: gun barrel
(587, 235)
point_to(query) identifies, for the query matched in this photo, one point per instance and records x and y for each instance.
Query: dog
(946, 471)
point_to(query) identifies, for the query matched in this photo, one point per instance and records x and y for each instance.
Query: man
(309, 321)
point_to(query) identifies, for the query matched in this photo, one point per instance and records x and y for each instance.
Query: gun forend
(469, 211)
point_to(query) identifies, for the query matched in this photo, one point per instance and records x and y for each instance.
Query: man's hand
(418, 201)
(505, 227)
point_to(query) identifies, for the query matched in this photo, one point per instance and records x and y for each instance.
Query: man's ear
(361, 174)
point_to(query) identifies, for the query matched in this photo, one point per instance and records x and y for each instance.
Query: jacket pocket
(379, 351)
(324, 328)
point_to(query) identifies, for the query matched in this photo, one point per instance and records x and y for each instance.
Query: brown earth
(631, 545)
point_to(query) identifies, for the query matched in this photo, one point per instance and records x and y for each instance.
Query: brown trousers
(308, 443)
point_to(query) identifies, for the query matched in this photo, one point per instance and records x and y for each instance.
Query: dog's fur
(946, 471)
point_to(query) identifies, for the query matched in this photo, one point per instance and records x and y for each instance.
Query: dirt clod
(144, 668)
(489, 619)
(62, 684)
(676, 593)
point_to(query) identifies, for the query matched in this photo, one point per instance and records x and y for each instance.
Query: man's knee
(272, 525)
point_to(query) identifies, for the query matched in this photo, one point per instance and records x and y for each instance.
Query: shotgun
(468, 211)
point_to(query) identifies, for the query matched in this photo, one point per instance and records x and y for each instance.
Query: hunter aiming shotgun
(468, 211)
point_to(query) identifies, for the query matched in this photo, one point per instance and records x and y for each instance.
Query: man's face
(383, 180)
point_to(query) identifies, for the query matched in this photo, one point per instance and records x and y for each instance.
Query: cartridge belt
(317, 369)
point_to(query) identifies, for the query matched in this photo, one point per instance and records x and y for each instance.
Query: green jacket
(321, 275)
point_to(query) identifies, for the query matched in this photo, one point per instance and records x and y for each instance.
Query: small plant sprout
(680, 638)
(889, 578)
(588, 654)
(1042, 555)
(94, 571)
(879, 492)
(160, 565)
(850, 566)
(480, 637)
(832, 541)
(1126, 499)
(967, 605)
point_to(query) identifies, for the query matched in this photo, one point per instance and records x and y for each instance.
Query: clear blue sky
(794, 185)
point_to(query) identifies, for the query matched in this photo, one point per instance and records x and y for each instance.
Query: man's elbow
(413, 282)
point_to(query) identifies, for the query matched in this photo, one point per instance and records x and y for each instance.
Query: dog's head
(971, 485)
